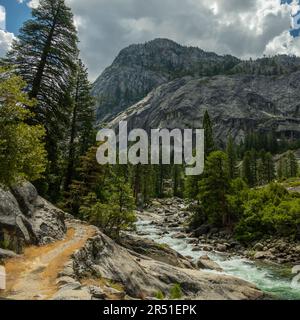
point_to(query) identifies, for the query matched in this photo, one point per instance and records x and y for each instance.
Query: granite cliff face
(140, 68)
(236, 104)
(175, 85)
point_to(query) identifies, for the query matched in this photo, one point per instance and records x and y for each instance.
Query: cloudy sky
(244, 28)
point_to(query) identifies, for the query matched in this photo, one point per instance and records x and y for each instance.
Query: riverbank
(164, 221)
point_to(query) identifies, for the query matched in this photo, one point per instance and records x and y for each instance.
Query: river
(269, 278)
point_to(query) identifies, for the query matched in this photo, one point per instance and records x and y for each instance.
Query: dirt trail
(33, 275)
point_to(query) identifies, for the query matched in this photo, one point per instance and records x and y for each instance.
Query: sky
(244, 28)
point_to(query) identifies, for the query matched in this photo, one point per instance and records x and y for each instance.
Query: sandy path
(33, 275)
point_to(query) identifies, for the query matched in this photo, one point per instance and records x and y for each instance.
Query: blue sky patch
(16, 14)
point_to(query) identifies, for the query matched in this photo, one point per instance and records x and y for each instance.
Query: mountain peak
(139, 68)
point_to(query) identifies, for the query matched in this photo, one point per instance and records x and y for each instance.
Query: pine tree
(247, 173)
(292, 165)
(209, 144)
(254, 166)
(281, 169)
(81, 135)
(232, 157)
(266, 168)
(44, 56)
(214, 188)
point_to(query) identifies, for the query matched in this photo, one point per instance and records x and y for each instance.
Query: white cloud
(238, 27)
(283, 44)
(242, 28)
(6, 39)
(2, 17)
(33, 3)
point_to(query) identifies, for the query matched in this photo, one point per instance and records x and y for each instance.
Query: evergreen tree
(209, 144)
(247, 173)
(266, 168)
(292, 165)
(254, 166)
(281, 169)
(232, 157)
(214, 189)
(81, 135)
(44, 55)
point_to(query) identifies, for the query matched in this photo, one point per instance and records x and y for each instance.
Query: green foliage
(232, 157)
(45, 56)
(102, 195)
(266, 169)
(209, 144)
(176, 292)
(111, 217)
(288, 166)
(258, 168)
(81, 132)
(22, 153)
(214, 188)
(269, 211)
(159, 295)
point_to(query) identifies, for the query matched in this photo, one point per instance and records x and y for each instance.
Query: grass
(159, 295)
(162, 246)
(176, 292)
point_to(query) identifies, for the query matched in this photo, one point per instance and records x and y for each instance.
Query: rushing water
(272, 279)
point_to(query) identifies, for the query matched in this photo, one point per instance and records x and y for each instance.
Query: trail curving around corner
(33, 275)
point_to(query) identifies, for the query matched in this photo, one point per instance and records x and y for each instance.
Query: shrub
(176, 292)
(269, 211)
(159, 295)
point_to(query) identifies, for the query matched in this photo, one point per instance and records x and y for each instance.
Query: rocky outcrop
(237, 104)
(26, 218)
(206, 263)
(142, 277)
(155, 251)
(140, 68)
(6, 254)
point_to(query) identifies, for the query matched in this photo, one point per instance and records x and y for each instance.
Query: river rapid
(270, 278)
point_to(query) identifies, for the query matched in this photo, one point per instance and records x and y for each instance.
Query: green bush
(176, 292)
(159, 295)
(269, 211)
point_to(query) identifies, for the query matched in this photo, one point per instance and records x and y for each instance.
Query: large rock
(155, 251)
(263, 255)
(206, 263)
(7, 254)
(26, 218)
(142, 276)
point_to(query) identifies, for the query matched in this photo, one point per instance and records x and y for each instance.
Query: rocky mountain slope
(260, 94)
(236, 104)
(140, 68)
(71, 260)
